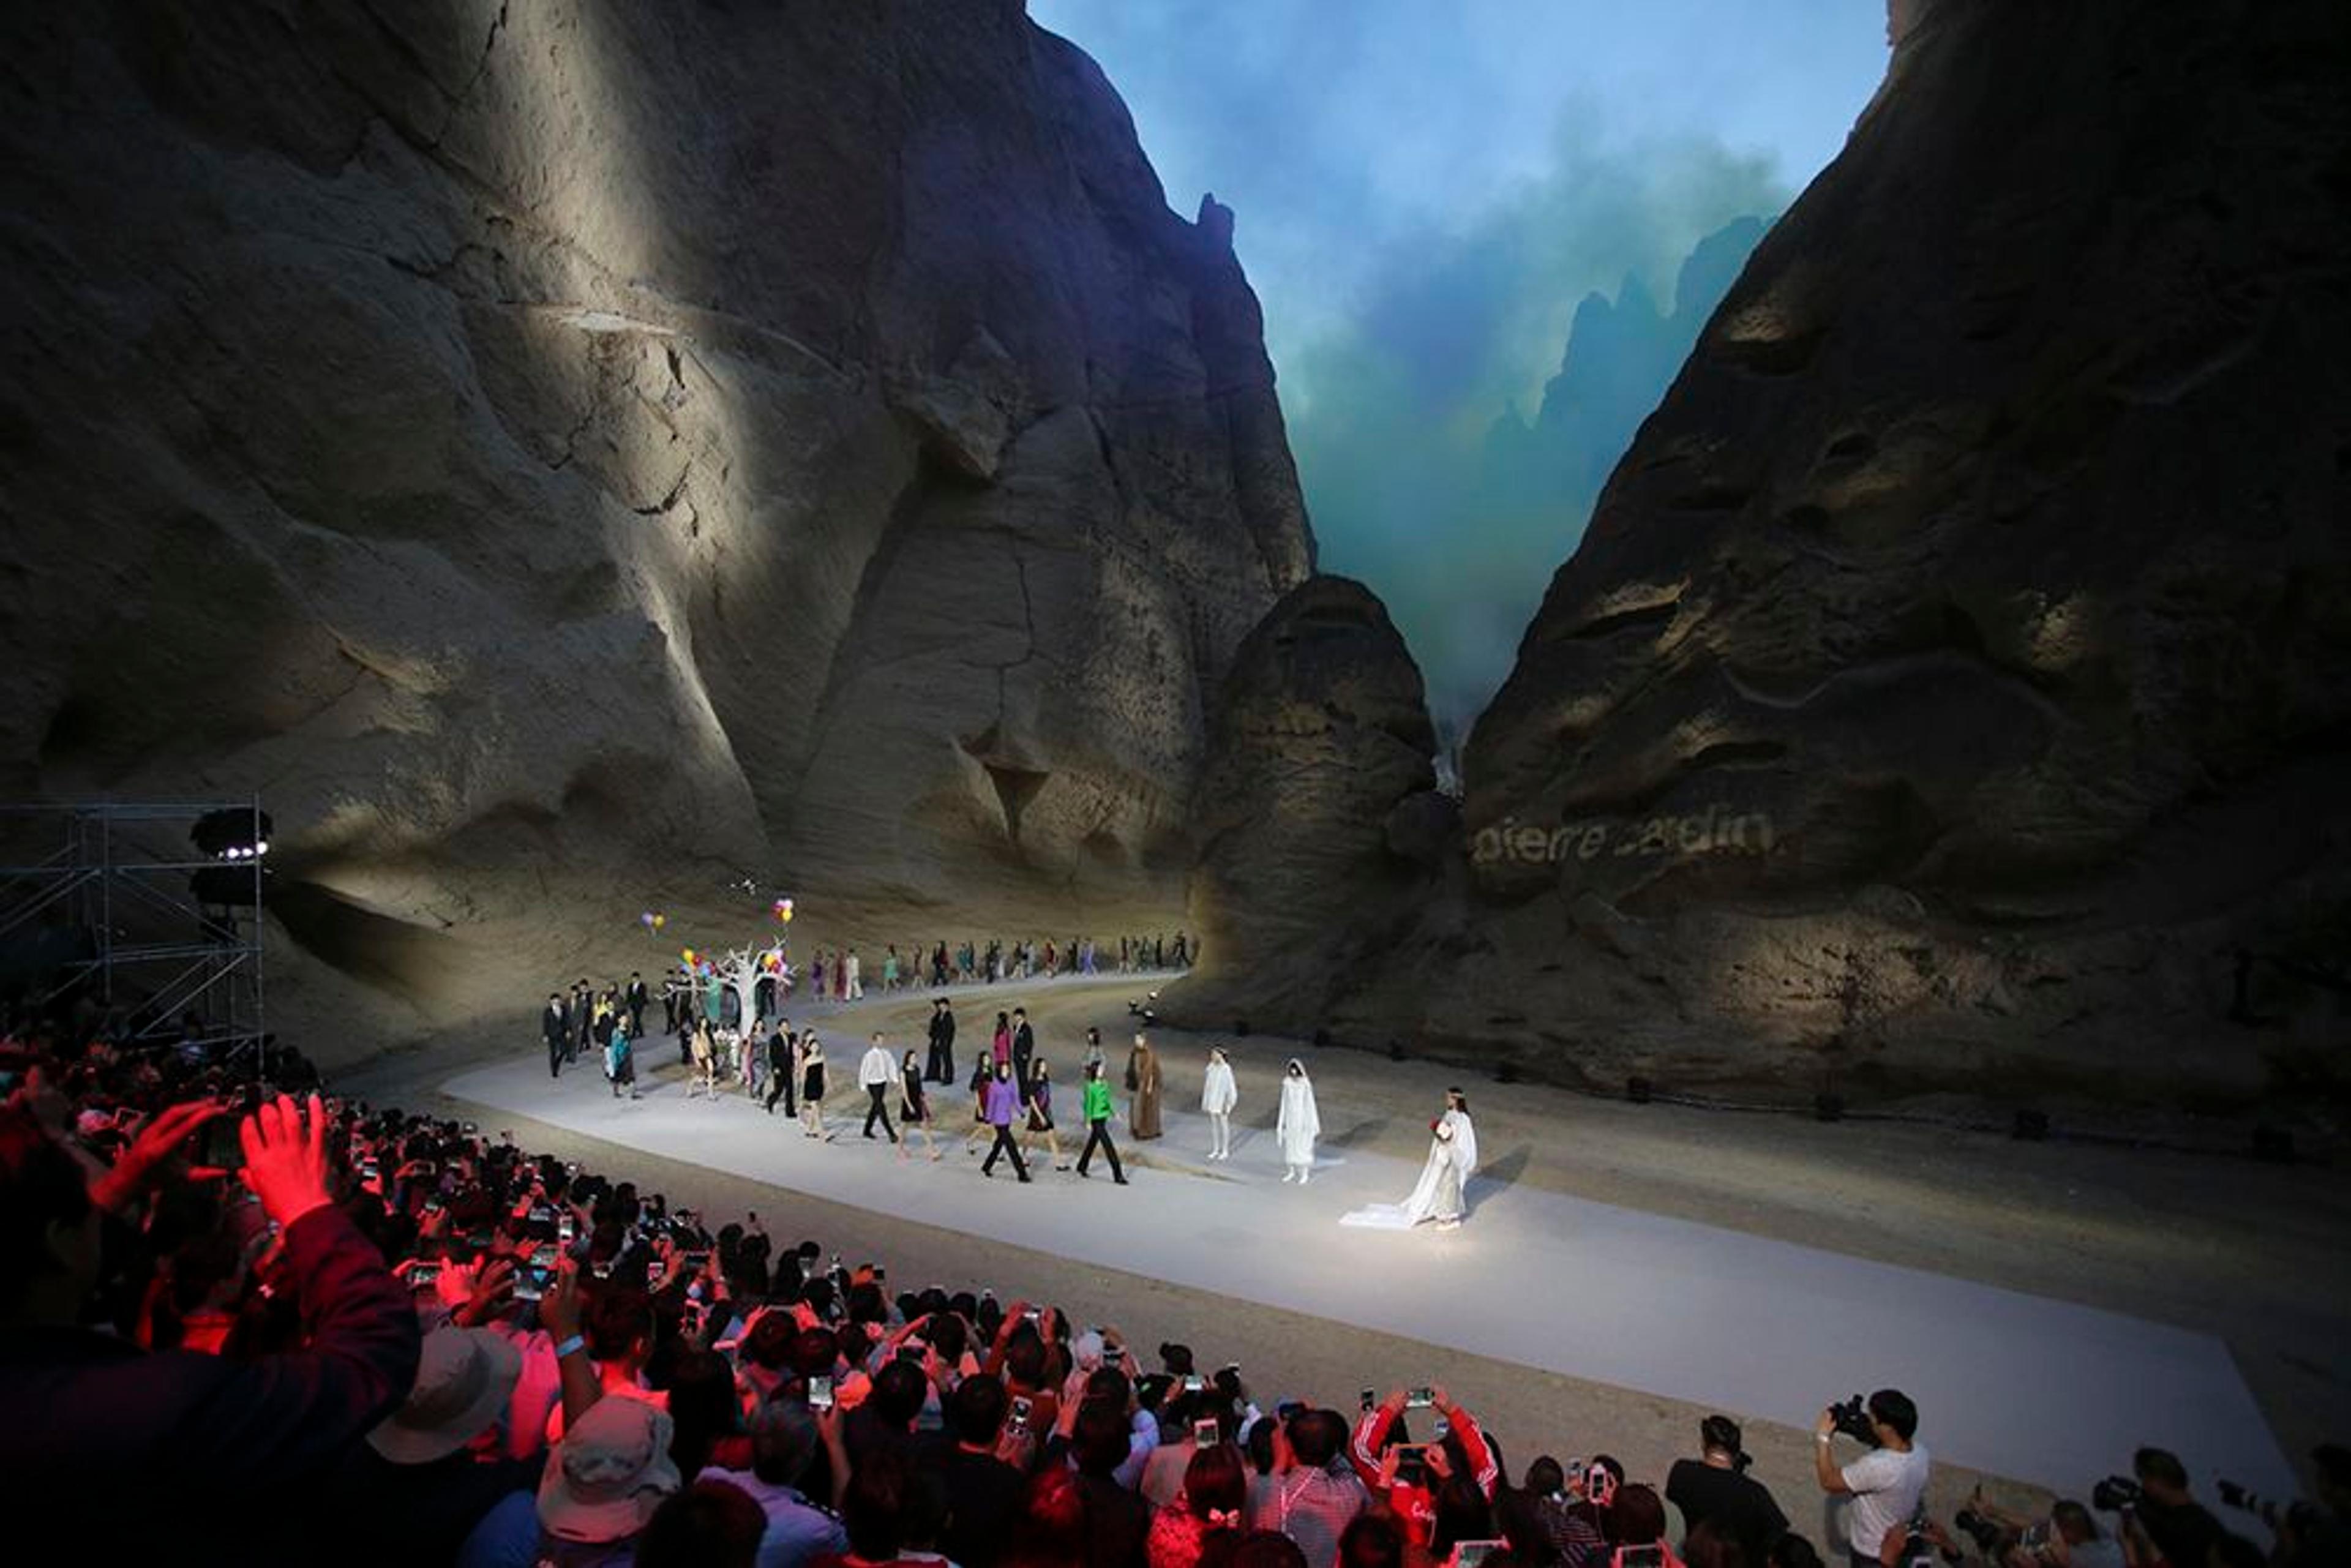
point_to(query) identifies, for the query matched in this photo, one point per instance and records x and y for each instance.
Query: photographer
(1715, 1489)
(1885, 1484)
(2163, 1521)
(2069, 1538)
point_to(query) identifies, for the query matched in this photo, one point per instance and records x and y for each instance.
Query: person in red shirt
(1411, 1491)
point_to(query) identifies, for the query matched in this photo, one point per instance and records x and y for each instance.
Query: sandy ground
(2250, 1253)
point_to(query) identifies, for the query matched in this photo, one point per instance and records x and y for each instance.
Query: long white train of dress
(1444, 1179)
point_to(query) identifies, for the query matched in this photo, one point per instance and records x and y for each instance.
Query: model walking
(1298, 1125)
(1039, 1096)
(1003, 1101)
(779, 1070)
(812, 1077)
(940, 1069)
(915, 1106)
(622, 1061)
(706, 1057)
(1218, 1097)
(874, 1074)
(553, 1028)
(1452, 1160)
(982, 1075)
(1142, 1084)
(1098, 1110)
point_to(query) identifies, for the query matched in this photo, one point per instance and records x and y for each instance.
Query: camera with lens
(2116, 1494)
(1852, 1417)
(2297, 1516)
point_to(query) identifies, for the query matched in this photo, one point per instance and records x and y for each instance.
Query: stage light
(231, 833)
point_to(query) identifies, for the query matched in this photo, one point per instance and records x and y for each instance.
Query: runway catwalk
(2042, 1390)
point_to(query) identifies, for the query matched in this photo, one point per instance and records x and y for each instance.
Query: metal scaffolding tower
(114, 900)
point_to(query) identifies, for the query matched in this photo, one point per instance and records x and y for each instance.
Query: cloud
(1424, 195)
(1393, 407)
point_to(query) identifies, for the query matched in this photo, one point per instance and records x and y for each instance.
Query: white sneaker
(1305, 1176)
(1288, 1175)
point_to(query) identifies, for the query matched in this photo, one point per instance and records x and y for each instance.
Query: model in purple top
(1003, 1103)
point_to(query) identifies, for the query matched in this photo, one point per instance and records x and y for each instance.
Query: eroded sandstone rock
(617, 440)
(1320, 766)
(1951, 683)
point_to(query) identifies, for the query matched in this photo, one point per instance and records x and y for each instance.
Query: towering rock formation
(1952, 688)
(598, 439)
(1316, 815)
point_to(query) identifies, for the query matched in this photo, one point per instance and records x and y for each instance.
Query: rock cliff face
(1952, 687)
(567, 435)
(1315, 815)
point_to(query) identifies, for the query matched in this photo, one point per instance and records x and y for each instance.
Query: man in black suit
(1024, 1048)
(584, 1019)
(637, 998)
(781, 1072)
(669, 1000)
(555, 1029)
(941, 1067)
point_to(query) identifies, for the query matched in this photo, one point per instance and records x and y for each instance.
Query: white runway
(2041, 1390)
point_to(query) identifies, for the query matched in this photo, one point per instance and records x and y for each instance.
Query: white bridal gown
(1452, 1160)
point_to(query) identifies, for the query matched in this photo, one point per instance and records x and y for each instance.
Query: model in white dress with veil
(1452, 1160)
(1298, 1125)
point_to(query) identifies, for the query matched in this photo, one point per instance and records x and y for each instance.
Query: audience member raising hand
(285, 1157)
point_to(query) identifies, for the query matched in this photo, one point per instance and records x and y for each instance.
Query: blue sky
(1423, 193)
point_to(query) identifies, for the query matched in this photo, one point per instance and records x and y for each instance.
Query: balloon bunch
(782, 910)
(651, 921)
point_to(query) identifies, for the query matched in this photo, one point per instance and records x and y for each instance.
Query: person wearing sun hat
(428, 1476)
(602, 1483)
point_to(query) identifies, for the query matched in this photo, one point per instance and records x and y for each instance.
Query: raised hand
(285, 1159)
(559, 1309)
(493, 1288)
(143, 1164)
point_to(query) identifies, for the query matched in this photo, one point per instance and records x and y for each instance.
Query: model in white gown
(1452, 1160)
(1298, 1125)
(1217, 1096)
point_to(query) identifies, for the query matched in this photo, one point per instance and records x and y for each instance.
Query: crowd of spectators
(246, 1327)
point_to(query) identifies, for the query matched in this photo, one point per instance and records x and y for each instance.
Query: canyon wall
(557, 451)
(1950, 692)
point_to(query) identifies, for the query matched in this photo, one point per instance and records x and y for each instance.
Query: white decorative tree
(739, 972)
